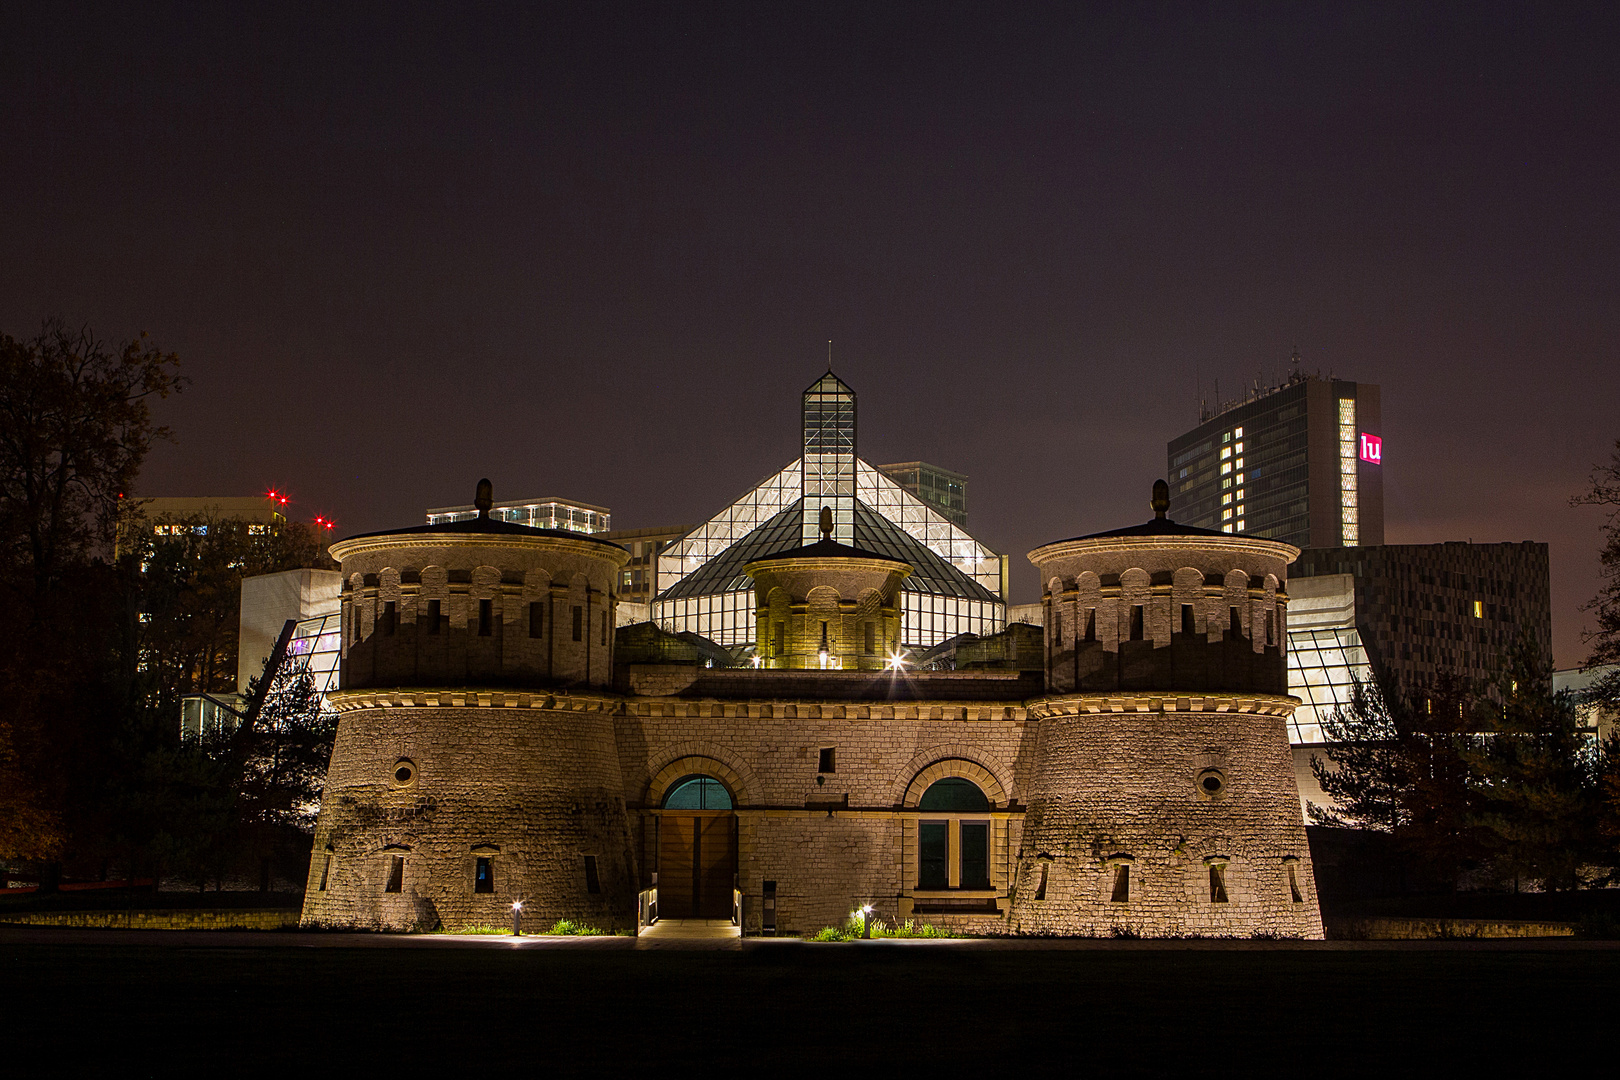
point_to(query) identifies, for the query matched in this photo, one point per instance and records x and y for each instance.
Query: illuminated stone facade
(1131, 775)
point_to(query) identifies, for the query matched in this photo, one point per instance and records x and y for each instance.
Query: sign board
(1372, 448)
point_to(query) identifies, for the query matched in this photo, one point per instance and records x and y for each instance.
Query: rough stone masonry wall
(1122, 786)
(500, 776)
(824, 864)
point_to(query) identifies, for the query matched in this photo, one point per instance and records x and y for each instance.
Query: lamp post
(517, 918)
(866, 922)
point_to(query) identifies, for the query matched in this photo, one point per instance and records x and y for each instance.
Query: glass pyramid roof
(873, 532)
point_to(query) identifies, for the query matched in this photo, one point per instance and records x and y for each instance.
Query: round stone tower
(827, 605)
(1163, 800)
(475, 763)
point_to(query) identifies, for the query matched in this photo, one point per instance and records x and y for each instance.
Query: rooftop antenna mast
(829, 356)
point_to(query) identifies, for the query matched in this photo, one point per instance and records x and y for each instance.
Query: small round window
(404, 773)
(1212, 783)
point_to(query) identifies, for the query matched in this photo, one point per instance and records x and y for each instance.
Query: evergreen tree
(1395, 763)
(1535, 777)
(1605, 639)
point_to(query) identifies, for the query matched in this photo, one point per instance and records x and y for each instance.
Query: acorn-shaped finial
(485, 497)
(1161, 498)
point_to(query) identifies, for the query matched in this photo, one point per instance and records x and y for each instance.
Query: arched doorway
(697, 850)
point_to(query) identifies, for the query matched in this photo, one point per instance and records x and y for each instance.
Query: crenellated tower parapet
(483, 601)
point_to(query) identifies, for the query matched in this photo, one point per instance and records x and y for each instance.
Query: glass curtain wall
(1320, 666)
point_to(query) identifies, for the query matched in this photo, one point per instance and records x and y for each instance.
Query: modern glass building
(550, 513)
(956, 585)
(1424, 610)
(942, 489)
(1325, 654)
(1301, 463)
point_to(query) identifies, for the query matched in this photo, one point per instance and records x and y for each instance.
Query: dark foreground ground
(127, 1003)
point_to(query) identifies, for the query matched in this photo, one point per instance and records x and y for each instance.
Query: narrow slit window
(390, 617)
(1217, 884)
(326, 874)
(828, 759)
(484, 875)
(1271, 637)
(537, 618)
(1187, 619)
(780, 639)
(1293, 886)
(486, 618)
(593, 884)
(1040, 888)
(579, 623)
(1236, 628)
(396, 874)
(871, 639)
(434, 613)
(1136, 622)
(1091, 624)
(604, 627)
(1057, 626)
(1122, 884)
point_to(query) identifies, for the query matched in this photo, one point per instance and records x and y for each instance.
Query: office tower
(1301, 463)
(942, 489)
(547, 513)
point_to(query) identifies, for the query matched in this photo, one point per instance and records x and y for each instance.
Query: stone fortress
(1123, 769)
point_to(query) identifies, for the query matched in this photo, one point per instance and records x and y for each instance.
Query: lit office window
(1347, 472)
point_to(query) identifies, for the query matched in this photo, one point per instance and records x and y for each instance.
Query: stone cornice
(1168, 701)
(472, 697)
(1234, 543)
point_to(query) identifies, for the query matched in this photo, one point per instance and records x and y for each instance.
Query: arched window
(953, 852)
(697, 793)
(954, 794)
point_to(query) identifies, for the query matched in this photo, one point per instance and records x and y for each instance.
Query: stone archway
(696, 848)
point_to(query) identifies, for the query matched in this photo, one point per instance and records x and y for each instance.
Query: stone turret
(475, 762)
(827, 605)
(1163, 800)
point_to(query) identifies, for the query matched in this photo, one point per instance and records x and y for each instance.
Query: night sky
(597, 251)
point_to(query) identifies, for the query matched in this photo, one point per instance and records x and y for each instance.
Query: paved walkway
(303, 939)
(690, 933)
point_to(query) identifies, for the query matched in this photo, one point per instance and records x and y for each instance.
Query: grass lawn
(835, 1010)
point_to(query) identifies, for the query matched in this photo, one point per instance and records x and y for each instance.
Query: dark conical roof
(827, 549)
(482, 526)
(1159, 525)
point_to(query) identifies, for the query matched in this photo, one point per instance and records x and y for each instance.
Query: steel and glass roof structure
(955, 583)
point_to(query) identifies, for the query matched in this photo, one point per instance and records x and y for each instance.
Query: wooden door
(676, 840)
(714, 862)
(697, 864)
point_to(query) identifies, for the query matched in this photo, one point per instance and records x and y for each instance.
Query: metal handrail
(646, 908)
(737, 908)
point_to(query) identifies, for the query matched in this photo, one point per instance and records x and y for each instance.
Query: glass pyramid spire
(955, 584)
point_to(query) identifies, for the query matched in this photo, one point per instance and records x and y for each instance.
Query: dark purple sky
(597, 251)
